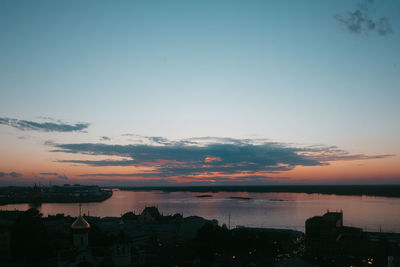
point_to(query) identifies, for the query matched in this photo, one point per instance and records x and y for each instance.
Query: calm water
(275, 210)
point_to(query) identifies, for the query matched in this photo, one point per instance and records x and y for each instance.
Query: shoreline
(392, 191)
(58, 201)
(56, 194)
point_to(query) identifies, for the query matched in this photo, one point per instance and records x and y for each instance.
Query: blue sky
(288, 71)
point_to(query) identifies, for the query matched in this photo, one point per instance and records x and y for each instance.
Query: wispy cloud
(361, 21)
(63, 177)
(10, 174)
(206, 157)
(49, 173)
(48, 126)
(100, 163)
(105, 138)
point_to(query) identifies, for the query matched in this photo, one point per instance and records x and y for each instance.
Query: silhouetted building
(327, 240)
(150, 215)
(121, 249)
(80, 229)
(321, 230)
(80, 254)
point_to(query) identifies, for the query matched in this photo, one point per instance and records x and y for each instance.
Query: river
(272, 210)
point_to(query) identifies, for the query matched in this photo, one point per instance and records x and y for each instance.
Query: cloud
(100, 163)
(383, 26)
(58, 126)
(156, 181)
(49, 173)
(105, 138)
(206, 157)
(11, 174)
(360, 20)
(115, 174)
(62, 177)
(158, 139)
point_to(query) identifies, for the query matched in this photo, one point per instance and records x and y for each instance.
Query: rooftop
(80, 223)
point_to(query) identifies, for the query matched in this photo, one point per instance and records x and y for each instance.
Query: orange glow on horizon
(340, 170)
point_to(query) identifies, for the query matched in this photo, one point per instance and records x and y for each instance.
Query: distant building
(35, 195)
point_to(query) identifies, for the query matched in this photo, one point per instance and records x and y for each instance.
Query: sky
(199, 92)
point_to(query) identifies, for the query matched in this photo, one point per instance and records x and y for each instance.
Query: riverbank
(54, 194)
(350, 190)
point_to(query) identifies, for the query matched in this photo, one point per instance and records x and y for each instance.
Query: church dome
(80, 223)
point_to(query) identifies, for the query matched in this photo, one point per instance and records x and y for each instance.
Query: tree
(28, 236)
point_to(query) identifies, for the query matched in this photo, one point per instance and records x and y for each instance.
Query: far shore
(350, 190)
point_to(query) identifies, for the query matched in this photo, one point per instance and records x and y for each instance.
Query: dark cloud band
(191, 157)
(43, 126)
(11, 174)
(63, 177)
(49, 173)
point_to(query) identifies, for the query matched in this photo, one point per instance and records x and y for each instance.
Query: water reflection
(277, 210)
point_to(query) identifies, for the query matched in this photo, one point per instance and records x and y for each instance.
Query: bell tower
(80, 229)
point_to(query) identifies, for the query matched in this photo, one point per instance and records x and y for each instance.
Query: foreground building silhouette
(80, 254)
(152, 239)
(328, 241)
(83, 255)
(121, 249)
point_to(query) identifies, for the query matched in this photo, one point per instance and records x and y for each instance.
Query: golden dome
(80, 223)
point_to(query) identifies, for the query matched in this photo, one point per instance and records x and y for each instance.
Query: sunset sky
(200, 92)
